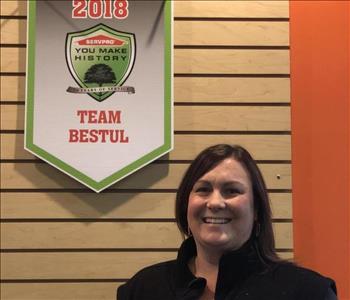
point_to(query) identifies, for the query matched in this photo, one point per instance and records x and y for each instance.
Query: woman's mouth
(211, 220)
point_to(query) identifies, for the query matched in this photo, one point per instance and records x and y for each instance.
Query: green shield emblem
(100, 60)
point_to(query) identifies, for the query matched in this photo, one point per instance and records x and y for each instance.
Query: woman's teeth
(216, 220)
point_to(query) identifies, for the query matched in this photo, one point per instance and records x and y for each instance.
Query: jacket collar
(234, 268)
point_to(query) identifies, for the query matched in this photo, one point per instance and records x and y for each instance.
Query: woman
(222, 207)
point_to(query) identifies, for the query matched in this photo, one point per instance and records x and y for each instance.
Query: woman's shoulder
(304, 281)
(156, 270)
(144, 283)
(289, 269)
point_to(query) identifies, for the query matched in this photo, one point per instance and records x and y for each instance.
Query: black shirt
(242, 276)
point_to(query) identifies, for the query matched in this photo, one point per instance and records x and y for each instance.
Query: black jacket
(242, 276)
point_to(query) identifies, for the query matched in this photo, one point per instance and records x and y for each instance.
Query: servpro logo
(100, 60)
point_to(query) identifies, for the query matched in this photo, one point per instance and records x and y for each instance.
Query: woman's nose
(216, 201)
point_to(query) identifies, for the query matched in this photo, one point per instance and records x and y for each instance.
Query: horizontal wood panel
(236, 9)
(90, 235)
(226, 118)
(261, 147)
(116, 205)
(78, 265)
(193, 61)
(193, 89)
(91, 205)
(13, 31)
(186, 147)
(12, 88)
(13, 8)
(59, 291)
(153, 176)
(197, 89)
(61, 235)
(13, 59)
(229, 61)
(206, 33)
(120, 265)
(224, 33)
(207, 118)
(229, 33)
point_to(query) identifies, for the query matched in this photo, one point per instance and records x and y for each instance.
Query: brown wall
(61, 241)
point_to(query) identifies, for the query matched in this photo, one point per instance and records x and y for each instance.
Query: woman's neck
(207, 258)
(206, 265)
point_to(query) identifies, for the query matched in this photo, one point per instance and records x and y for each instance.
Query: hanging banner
(99, 86)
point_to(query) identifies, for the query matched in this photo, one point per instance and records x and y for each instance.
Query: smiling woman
(220, 210)
(222, 207)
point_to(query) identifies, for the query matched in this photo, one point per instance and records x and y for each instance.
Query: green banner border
(98, 186)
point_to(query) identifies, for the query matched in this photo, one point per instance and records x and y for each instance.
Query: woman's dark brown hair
(209, 159)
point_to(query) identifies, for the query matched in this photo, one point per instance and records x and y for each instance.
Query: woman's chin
(217, 240)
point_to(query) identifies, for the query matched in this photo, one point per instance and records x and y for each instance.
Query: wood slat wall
(109, 206)
(194, 89)
(154, 176)
(196, 118)
(193, 61)
(231, 85)
(262, 146)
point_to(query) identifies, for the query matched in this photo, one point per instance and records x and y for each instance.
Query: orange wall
(320, 137)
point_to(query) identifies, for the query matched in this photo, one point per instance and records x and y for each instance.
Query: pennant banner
(99, 86)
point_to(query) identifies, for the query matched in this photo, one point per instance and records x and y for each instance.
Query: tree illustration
(100, 74)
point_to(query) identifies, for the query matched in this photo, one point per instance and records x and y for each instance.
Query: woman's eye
(232, 192)
(203, 189)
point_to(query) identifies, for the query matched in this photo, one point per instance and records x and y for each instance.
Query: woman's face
(220, 208)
